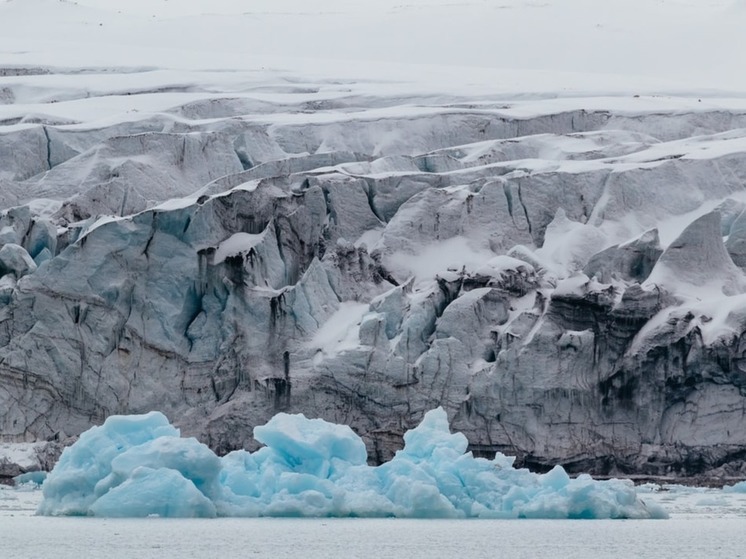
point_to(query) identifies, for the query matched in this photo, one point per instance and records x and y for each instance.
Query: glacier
(302, 218)
(140, 466)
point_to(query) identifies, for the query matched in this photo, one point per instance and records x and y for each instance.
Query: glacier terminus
(548, 245)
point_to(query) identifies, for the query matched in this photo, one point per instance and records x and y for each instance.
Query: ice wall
(367, 257)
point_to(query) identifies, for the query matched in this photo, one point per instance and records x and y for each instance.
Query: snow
(340, 331)
(498, 266)
(651, 42)
(451, 254)
(568, 245)
(139, 466)
(717, 317)
(238, 243)
(575, 285)
(600, 49)
(22, 454)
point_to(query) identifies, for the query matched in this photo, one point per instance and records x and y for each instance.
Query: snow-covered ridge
(554, 254)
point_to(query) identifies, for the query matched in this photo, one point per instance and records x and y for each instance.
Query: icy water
(702, 524)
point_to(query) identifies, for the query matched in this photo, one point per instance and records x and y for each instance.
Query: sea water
(703, 523)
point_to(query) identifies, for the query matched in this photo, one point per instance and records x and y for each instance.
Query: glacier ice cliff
(567, 283)
(138, 466)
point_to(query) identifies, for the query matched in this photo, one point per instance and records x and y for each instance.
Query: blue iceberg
(138, 466)
(30, 479)
(739, 487)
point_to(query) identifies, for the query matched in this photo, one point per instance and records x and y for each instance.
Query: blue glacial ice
(137, 466)
(739, 487)
(30, 479)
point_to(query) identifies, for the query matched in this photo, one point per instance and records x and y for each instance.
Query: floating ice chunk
(138, 466)
(310, 445)
(154, 492)
(188, 457)
(69, 489)
(712, 501)
(433, 435)
(739, 487)
(30, 479)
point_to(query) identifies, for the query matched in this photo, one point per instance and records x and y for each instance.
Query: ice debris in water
(137, 466)
(30, 479)
(739, 487)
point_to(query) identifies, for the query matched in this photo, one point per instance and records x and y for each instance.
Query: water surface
(702, 524)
